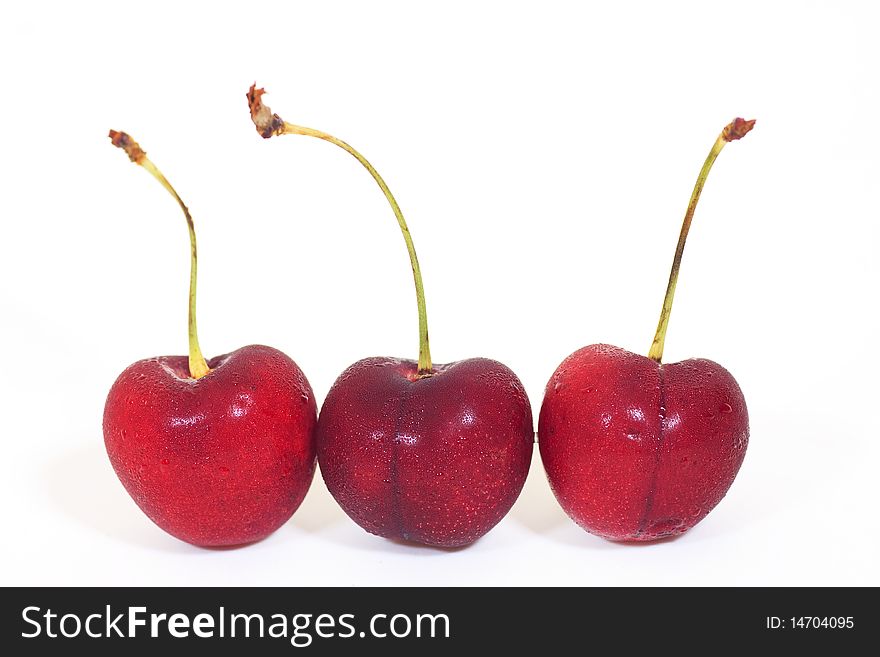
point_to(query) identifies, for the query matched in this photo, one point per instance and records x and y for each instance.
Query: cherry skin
(436, 459)
(636, 450)
(218, 461)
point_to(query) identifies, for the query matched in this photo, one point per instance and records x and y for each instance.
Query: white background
(543, 154)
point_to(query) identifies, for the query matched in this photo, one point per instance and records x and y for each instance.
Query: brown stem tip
(124, 141)
(737, 129)
(266, 123)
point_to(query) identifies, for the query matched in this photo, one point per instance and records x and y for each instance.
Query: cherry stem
(269, 124)
(736, 129)
(198, 367)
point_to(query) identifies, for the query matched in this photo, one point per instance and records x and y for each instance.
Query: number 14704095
(810, 622)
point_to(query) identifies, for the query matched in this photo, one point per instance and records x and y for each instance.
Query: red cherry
(435, 454)
(636, 450)
(436, 460)
(216, 453)
(221, 460)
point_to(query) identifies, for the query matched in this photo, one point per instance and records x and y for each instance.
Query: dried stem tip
(124, 141)
(737, 129)
(266, 123)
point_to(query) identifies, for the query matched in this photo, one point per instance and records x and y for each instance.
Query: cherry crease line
(396, 511)
(652, 489)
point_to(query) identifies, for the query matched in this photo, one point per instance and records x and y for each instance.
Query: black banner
(276, 621)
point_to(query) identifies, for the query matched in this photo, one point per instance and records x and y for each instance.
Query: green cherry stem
(269, 124)
(198, 367)
(736, 129)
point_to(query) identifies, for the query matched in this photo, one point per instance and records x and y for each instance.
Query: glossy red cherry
(636, 450)
(436, 460)
(435, 454)
(219, 452)
(221, 460)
